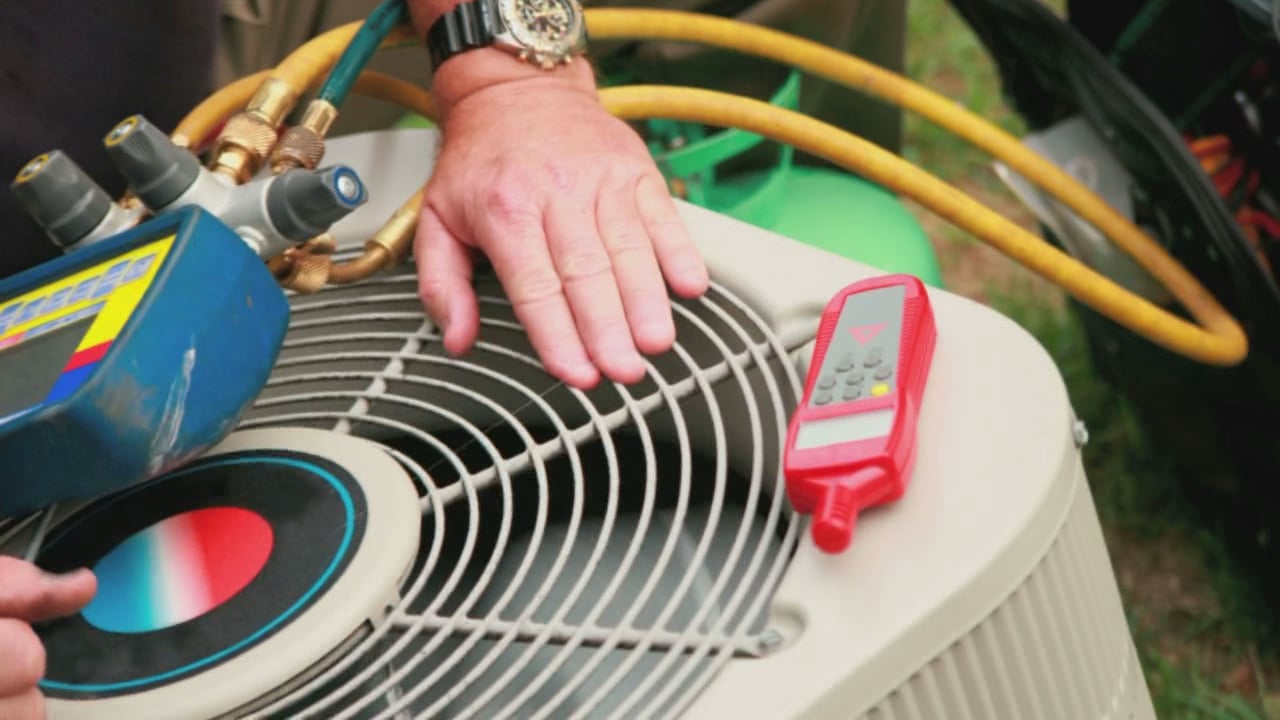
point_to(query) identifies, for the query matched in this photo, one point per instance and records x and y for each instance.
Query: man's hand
(28, 595)
(570, 209)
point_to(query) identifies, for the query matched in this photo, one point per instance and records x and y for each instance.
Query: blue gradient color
(127, 583)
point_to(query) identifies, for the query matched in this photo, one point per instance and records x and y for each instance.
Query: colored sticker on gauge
(53, 337)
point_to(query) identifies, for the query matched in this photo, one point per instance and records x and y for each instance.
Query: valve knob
(156, 169)
(304, 203)
(61, 197)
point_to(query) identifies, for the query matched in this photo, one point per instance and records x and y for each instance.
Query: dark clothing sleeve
(71, 69)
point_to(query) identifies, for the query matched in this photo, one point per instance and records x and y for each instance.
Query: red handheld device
(852, 442)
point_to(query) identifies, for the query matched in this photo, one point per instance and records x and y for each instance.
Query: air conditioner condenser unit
(467, 538)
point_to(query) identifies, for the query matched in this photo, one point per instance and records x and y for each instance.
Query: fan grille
(596, 553)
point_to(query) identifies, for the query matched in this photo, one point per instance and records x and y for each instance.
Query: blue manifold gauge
(131, 356)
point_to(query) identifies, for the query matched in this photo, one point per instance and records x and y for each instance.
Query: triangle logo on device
(866, 333)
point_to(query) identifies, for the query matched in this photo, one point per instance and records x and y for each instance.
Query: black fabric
(71, 69)
(1049, 71)
(1215, 426)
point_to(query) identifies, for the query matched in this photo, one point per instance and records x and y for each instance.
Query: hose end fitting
(274, 99)
(306, 273)
(249, 135)
(243, 145)
(302, 146)
(396, 235)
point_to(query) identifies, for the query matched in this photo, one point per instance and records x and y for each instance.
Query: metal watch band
(471, 24)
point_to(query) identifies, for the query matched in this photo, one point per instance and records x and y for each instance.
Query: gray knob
(304, 203)
(157, 170)
(61, 197)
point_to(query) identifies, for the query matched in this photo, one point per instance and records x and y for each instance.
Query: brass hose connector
(386, 249)
(397, 233)
(304, 268)
(303, 144)
(310, 267)
(249, 135)
(374, 259)
(306, 273)
(320, 245)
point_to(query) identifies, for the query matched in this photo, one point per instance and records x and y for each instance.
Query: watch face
(548, 29)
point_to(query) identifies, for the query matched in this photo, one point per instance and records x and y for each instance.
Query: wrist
(480, 68)
(477, 70)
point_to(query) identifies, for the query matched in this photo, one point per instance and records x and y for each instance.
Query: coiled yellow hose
(1217, 340)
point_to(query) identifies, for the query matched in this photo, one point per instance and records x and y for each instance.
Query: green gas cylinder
(824, 207)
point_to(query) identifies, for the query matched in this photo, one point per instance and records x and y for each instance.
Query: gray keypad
(864, 346)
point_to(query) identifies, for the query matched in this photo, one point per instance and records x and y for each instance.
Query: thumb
(30, 594)
(444, 282)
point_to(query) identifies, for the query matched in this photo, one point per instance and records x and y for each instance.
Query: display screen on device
(844, 429)
(52, 336)
(31, 368)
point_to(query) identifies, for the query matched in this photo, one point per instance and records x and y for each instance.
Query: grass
(1193, 614)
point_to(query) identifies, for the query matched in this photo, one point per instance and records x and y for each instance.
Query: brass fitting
(386, 249)
(320, 245)
(274, 99)
(242, 146)
(247, 138)
(307, 273)
(310, 266)
(374, 259)
(303, 144)
(129, 201)
(396, 234)
(281, 265)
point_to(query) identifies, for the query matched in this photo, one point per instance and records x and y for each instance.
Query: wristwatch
(545, 33)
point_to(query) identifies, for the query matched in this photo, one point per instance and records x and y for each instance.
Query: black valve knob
(157, 170)
(61, 197)
(304, 203)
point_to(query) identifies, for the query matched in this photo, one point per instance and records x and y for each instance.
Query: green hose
(375, 29)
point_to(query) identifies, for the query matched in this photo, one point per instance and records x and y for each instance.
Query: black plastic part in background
(1219, 426)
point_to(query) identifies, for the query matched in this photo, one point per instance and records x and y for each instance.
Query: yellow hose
(302, 70)
(1218, 340)
(1229, 344)
(231, 98)
(216, 108)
